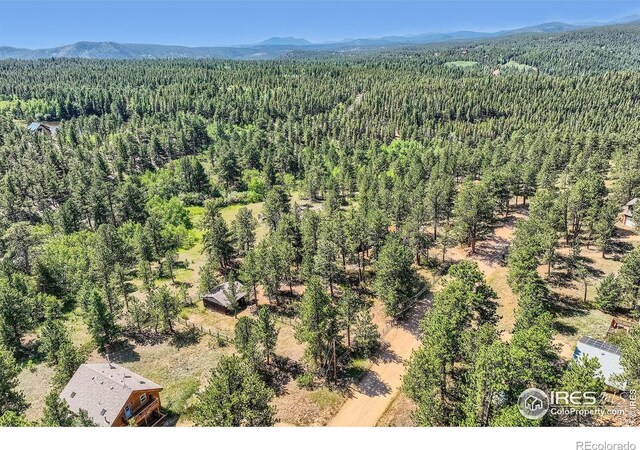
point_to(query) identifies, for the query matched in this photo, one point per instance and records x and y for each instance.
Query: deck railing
(145, 410)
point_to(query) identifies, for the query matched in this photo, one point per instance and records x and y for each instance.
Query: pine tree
(216, 240)
(69, 359)
(53, 336)
(10, 398)
(16, 315)
(366, 339)
(473, 213)
(244, 230)
(164, 308)
(235, 396)
(246, 339)
(582, 375)
(316, 327)
(608, 295)
(348, 306)
(266, 332)
(101, 322)
(395, 277)
(250, 272)
(56, 411)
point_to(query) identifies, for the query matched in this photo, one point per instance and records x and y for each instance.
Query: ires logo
(562, 398)
(534, 403)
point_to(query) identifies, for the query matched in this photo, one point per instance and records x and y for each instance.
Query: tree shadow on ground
(372, 386)
(146, 336)
(411, 321)
(493, 251)
(124, 352)
(619, 249)
(564, 329)
(385, 355)
(280, 372)
(185, 338)
(565, 306)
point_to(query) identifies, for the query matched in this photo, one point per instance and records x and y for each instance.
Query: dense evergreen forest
(410, 151)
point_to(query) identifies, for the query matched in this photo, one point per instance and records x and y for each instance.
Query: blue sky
(209, 23)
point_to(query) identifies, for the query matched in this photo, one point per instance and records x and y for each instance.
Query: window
(127, 411)
(143, 398)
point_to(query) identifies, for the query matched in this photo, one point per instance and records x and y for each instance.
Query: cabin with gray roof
(49, 127)
(218, 298)
(608, 355)
(113, 396)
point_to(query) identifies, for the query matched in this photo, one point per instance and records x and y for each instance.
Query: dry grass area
(399, 413)
(35, 382)
(302, 407)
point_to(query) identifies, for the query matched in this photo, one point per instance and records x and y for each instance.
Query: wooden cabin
(218, 298)
(113, 396)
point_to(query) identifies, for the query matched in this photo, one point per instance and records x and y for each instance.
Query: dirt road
(378, 388)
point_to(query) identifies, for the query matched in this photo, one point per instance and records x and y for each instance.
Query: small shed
(39, 127)
(218, 297)
(608, 355)
(627, 213)
(49, 127)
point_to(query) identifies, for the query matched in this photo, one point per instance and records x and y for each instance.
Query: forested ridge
(408, 156)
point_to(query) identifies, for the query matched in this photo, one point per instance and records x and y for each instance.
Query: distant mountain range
(274, 47)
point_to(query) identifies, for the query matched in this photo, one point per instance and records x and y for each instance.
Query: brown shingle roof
(219, 297)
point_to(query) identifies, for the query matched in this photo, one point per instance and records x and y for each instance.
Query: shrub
(305, 380)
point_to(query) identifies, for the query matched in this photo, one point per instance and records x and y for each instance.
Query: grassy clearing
(461, 64)
(579, 323)
(325, 398)
(35, 382)
(303, 407)
(180, 369)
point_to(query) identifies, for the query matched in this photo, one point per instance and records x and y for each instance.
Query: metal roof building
(607, 354)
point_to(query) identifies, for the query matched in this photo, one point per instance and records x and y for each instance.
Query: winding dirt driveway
(375, 392)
